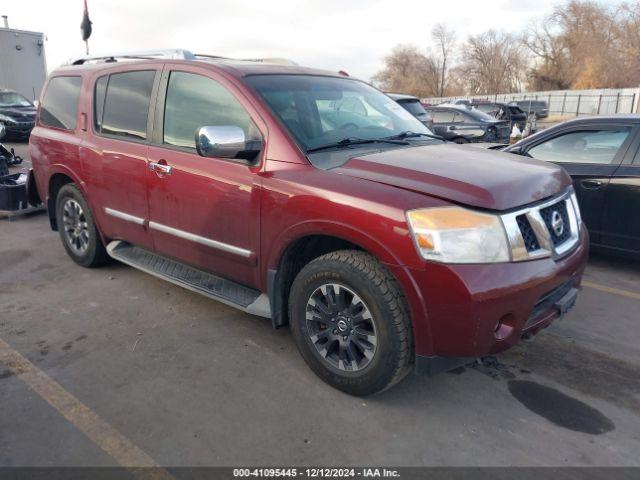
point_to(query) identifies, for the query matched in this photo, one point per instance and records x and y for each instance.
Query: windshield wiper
(345, 142)
(410, 134)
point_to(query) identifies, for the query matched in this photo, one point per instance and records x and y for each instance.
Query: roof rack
(176, 53)
(143, 55)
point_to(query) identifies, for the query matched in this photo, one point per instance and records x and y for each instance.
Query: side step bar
(220, 289)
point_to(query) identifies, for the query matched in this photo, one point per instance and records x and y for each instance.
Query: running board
(225, 291)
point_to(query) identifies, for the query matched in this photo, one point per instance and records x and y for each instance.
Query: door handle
(160, 168)
(591, 184)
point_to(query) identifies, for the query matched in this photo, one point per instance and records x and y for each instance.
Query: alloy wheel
(74, 223)
(340, 327)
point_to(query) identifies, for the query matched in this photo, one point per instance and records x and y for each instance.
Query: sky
(349, 35)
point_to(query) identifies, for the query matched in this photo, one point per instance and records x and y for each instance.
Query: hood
(19, 113)
(469, 176)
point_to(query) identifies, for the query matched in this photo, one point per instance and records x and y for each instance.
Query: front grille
(555, 215)
(548, 229)
(530, 240)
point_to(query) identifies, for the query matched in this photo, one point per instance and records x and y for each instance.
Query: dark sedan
(17, 114)
(412, 105)
(602, 155)
(463, 125)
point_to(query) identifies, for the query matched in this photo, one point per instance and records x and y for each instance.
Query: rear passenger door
(114, 159)
(203, 211)
(590, 155)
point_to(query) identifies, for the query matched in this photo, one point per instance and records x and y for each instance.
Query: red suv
(310, 198)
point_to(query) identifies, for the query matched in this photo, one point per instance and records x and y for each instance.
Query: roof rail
(142, 55)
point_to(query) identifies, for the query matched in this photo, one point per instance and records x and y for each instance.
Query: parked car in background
(460, 124)
(602, 155)
(413, 105)
(17, 114)
(539, 107)
(309, 198)
(509, 113)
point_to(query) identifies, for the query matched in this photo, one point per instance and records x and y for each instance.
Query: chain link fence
(565, 103)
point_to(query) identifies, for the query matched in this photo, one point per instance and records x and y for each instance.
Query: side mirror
(226, 142)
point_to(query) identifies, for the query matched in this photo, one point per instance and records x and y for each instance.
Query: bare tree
(407, 70)
(445, 39)
(493, 62)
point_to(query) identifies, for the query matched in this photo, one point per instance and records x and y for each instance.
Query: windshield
(321, 111)
(13, 99)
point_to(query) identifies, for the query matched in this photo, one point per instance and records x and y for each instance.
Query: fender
(333, 229)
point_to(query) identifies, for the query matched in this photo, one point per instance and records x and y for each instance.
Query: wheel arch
(303, 246)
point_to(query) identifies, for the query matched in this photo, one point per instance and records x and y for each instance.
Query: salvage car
(17, 114)
(413, 105)
(508, 113)
(539, 107)
(602, 155)
(463, 125)
(383, 248)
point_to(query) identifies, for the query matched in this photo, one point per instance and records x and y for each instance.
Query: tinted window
(98, 99)
(592, 146)
(413, 106)
(194, 101)
(60, 103)
(126, 104)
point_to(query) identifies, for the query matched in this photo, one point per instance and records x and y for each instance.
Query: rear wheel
(77, 228)
(350, 322)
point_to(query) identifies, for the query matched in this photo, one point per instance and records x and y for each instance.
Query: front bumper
(463, 312)
(19, 130)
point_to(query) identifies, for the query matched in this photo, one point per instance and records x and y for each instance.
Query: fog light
(504, 327)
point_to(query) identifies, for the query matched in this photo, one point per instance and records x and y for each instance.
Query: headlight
(5, 119)
(458, 235)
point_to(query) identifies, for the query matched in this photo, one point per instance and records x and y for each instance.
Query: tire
(357, 281)
(460, 140)
(80, 238)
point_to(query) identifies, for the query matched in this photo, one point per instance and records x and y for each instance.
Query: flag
(85, 26)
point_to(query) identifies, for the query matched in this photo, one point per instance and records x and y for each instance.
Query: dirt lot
(114, 366)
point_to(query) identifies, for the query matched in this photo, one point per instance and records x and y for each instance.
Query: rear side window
(442, 116)
(126, 104)
(60, 103)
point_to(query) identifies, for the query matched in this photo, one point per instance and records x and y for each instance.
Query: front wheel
(350, 322)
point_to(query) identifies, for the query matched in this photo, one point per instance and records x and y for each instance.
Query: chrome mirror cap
(225, 142)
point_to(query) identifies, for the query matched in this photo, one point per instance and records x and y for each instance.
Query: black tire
(360, 274)
(460, 140)
(93, 254)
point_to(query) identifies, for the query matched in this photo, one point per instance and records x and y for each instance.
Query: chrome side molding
(192, 237)
(124, 216)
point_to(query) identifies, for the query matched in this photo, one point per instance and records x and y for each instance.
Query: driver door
(203, 211)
